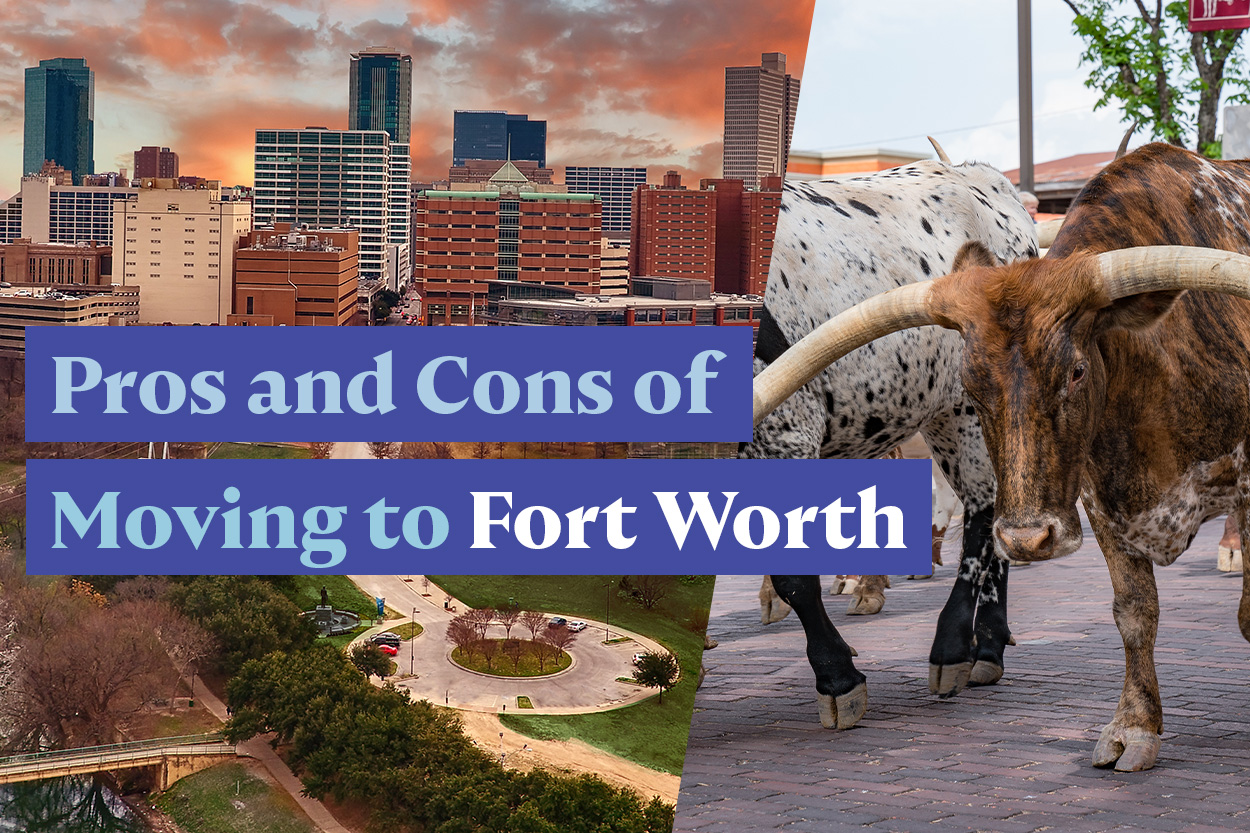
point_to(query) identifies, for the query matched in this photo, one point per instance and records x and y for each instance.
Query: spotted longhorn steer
(837, 244)
(1107, 372)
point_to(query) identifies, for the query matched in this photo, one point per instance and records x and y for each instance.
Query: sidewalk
(1012, 758)
(259, 748)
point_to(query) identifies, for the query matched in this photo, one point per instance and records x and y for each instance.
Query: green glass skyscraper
(381, 93)
(60, 117)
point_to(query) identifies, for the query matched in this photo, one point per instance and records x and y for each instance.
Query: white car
(638, 657)
(577, 626)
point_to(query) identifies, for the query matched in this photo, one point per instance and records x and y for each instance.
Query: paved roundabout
(590, 684)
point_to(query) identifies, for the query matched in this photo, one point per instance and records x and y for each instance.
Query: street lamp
(412, 645)
(501, 748)
(607, 624)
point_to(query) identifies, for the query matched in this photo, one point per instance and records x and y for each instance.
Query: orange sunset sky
(620, 82)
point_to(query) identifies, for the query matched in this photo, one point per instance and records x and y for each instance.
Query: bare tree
(499, 447)
(514, 649)
(543, 651)
(533, 621)
(320, 451)
(507, 616)
(425, 585)
(650, 590)
(462, 634)
(480, 620)
(560, 638)
(481, 450)
(382, 451)
(13, 515)
(488, 647)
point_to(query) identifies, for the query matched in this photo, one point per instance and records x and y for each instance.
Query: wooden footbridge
(173, 758)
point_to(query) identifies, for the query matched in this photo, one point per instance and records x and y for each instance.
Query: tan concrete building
(760, 104)
(179, 245)
(835, 164)
(22, 308)
(62, 265)
(301, 277)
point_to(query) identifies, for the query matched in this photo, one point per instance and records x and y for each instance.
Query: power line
(879, 142)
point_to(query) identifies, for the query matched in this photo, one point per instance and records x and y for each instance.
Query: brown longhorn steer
(1105, 372)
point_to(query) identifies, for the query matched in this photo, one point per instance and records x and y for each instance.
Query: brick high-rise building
(722, 233)
(760, 103)
(506, 229)
(155, 163)
(300, 277)
(60, 117)
(481, 170)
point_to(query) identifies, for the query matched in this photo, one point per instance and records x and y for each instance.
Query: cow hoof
(865, 605)
(773, 611)
(985, 673)
(1130, 748)
(948, 680)
(843, 586)
(843, 711)
(709, 643)
(1225, 560)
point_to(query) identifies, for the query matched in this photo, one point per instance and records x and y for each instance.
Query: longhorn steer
(837, 244)
(1097, 375)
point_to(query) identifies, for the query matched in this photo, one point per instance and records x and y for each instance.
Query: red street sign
(1205, 15)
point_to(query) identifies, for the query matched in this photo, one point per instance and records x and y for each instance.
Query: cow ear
(973, 254)
(1137, 312)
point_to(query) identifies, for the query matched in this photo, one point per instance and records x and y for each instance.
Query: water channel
(65, 805)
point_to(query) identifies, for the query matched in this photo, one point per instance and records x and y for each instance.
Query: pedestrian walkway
(1014, 757)
(259, 748)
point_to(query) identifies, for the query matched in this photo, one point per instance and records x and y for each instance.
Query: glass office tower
(60, 117)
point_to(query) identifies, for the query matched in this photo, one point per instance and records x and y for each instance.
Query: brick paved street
(1012, 757)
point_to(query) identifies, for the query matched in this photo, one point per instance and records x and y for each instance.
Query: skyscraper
(60, 116)
(496, 134)
(381, 93)
(615, 186)
(760, 103)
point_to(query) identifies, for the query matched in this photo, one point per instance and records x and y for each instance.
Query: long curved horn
(899, 309)
(1128, 272)
(941, 154)
(1124, 142)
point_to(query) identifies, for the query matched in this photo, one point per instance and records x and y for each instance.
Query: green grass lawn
(344, 595)
(501, 664)
(408, 630)
(246, 451)
(206, 803)
(649, 733)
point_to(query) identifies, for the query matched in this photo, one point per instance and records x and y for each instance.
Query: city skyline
(618, 84)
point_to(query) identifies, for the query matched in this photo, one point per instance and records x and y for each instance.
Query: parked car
(389, 650)
(575, 627)
(557, 621)
(638, 657)
(386, 638)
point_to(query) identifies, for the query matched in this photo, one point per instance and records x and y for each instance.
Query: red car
(389, 650)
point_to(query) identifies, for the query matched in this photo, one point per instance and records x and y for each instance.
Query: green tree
(248, 617)
(370, 660)
(1162, 75)
(657, 671)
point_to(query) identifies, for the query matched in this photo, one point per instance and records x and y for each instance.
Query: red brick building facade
(721, 233)
(303, 278)
(64, 265)
(465, 238)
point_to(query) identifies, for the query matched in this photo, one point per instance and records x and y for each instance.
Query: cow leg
(1131, 740)
(952, 656)
(842, 691)
(960, 457)
(1243, 609)
(869, 596)
(772, 608)
(993, 633)
(1230, 559)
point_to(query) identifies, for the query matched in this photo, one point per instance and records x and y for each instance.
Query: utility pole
(1024, 35)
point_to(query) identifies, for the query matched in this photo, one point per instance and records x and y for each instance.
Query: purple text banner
(593, 517)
